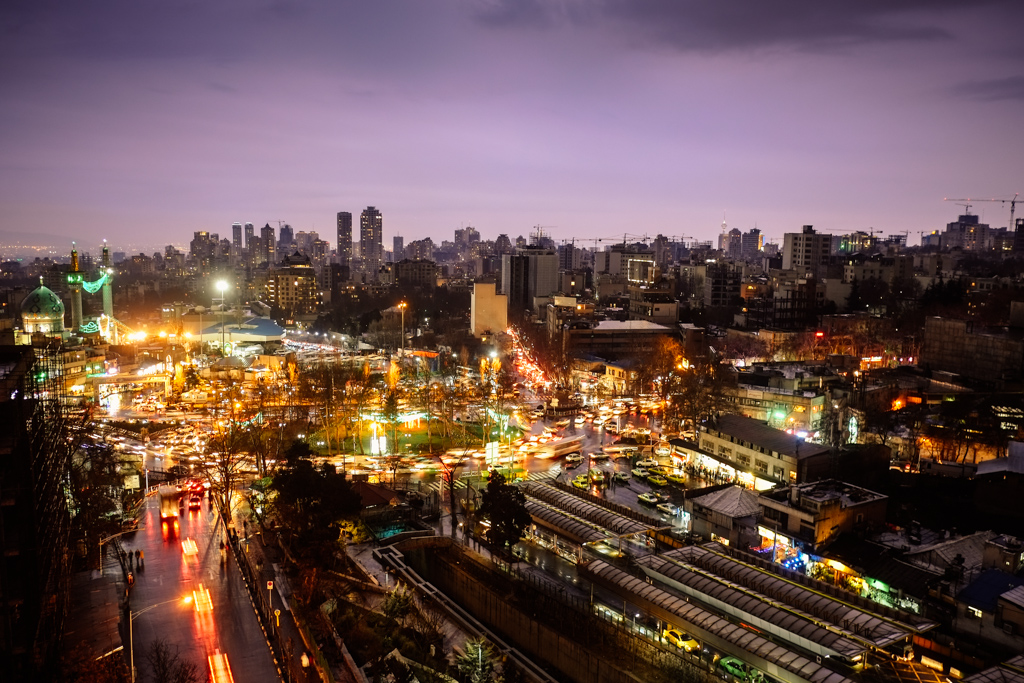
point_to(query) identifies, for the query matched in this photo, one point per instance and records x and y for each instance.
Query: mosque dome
(42, 311)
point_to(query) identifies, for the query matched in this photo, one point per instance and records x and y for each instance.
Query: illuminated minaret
(75, 279)
(106, 269)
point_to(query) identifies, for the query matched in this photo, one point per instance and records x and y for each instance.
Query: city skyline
(590, 119)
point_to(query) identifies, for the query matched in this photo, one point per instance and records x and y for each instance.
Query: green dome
(42, 303)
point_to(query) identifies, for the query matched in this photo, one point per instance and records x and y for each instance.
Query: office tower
(304, 241)
(526, 274)
(250, 233)
(503, 245)
(751, 243)
(236, 240)
(807, 251)
(397, 248)
(286, 240)
(267, 242)
(371, 225)
(344, 238)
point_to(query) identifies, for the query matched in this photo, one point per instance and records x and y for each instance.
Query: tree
(476, 662)
(504, 507)
(311, 501)
(169, 667)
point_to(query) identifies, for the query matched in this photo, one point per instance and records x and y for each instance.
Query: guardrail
(393, 558)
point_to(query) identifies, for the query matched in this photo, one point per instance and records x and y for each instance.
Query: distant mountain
(32, 239)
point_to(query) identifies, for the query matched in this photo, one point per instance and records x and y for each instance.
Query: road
(197, 628)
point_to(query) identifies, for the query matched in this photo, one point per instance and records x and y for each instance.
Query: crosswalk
(460, 484)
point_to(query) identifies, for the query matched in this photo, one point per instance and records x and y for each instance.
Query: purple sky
(141, 121)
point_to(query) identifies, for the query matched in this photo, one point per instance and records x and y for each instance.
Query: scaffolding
(34, 517)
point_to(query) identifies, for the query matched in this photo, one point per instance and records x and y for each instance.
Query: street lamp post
(222, 286)
(401, 307)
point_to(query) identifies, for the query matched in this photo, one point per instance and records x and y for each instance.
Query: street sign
(270, 585)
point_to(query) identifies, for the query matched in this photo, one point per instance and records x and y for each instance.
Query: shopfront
(781, 549)
(715, 470)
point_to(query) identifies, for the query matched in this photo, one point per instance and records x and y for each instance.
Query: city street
(194, 602)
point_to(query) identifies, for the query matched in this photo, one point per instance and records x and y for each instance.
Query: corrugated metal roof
(790, 623)
(601, 516)
(571, 527)
(697, 617)
(865, 626)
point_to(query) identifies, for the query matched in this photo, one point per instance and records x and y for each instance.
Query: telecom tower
(75, 280)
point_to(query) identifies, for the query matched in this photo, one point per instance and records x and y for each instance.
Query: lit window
(974, 612)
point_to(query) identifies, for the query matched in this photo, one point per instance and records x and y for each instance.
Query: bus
(556, 449)
(168, 502)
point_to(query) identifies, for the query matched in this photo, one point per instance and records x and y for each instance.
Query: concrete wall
(488, 309)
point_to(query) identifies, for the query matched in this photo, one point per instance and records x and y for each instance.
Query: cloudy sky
(142, 121)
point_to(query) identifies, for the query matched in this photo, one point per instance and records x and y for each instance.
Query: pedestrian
(131, 579)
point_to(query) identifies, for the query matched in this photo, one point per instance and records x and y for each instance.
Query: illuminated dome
(42, 311)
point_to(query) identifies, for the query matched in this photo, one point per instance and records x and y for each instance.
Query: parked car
(680, 639)
(668, 509)
(657, 480)
(622, 477)
(640, 472)
(574, 457)
(647, 462)
(648, 498)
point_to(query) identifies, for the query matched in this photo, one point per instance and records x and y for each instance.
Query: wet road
(195, 603)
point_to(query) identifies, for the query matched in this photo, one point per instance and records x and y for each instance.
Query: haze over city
(146, 122)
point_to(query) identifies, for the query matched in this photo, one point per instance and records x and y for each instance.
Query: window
(761, 466)
(974, 612)
(743, 460)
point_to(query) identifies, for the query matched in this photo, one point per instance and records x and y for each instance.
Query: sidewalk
(94, 611)
(264, 558)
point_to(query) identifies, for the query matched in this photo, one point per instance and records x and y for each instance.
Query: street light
(131, 632)
(222, 286)
(401, 307)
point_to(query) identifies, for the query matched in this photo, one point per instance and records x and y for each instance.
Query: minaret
(108, 270)
(75, 279)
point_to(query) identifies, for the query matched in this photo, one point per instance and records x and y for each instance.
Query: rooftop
(984, 591)
(734, 501)
(831, 489)
(760, 434)
(629, 325)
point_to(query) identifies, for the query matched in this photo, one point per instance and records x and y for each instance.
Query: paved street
(200, 628)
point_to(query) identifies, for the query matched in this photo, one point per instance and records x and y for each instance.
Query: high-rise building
(267, 245)
(751, 243)
(286, 240)
(807, 251)
(397, 248)
(371, 226)
(250, 233)
(304, 241)
(292, 286)
(344, 238)
(35, 458)
(526, 274)
(236, 240)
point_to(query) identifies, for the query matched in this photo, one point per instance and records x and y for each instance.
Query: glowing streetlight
(401, 307)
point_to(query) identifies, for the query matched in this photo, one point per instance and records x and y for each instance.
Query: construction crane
(1013, 203)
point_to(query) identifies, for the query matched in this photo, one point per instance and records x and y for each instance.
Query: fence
(268, 620)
